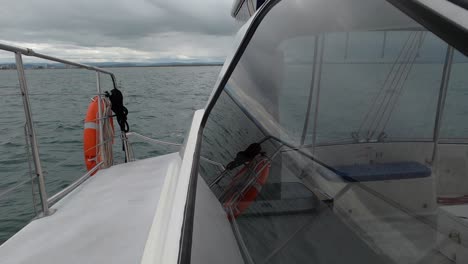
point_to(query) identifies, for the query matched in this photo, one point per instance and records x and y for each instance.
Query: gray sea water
(160, 100)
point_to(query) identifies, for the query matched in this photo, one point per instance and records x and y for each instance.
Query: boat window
(369, 93)
(326, 144)
(454, 126)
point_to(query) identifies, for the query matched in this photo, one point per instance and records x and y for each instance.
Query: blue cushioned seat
(380, 172)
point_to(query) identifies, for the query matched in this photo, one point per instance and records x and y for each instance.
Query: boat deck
(105, 220)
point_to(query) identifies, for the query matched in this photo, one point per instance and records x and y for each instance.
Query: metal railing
(31, 135)
(152, 140)
(56, 197)
(130, 156)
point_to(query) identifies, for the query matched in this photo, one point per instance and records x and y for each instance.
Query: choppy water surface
(161, 102)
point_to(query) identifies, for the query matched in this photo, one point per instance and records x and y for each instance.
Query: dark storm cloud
(187, 28)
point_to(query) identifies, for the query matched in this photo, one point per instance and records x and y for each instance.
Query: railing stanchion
(100, 128)
(31, 133)
(123, 135)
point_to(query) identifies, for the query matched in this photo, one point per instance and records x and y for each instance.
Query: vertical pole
(420, 42)
(125, 147)
(250, 7)
(346, 46)
(317, 97)
(311, 92)
(101, 154)
(384, 44)
(441, 102)
(32, 133)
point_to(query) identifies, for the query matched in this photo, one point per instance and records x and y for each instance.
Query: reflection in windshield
(338, 142)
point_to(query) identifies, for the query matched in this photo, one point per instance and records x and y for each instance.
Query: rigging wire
(392, 108)
(377, 95)
(395, 86)
(386, 97)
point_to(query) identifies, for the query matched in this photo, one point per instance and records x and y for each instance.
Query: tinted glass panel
(454, 125)
(324, 146)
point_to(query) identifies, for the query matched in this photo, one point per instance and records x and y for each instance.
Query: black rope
(120, 111)
(244, 156)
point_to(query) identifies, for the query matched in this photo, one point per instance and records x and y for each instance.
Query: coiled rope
(116, 98)
(119, 109)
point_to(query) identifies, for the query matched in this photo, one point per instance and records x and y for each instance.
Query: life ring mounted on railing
(91, 137)
(255, 173)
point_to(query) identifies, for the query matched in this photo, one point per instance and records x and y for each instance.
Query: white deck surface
(105, 220)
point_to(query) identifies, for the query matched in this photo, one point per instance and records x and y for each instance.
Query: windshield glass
(340, 138)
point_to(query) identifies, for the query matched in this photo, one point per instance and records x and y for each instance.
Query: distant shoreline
(6, 67)
(164, 65)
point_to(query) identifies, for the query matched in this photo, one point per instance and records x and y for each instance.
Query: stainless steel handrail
(32, 53)
(19, 52)
(56, 197)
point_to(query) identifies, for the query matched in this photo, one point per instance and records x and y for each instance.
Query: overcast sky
(120, 30)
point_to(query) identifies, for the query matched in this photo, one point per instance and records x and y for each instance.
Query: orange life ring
(262, 169)
(91, 135)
